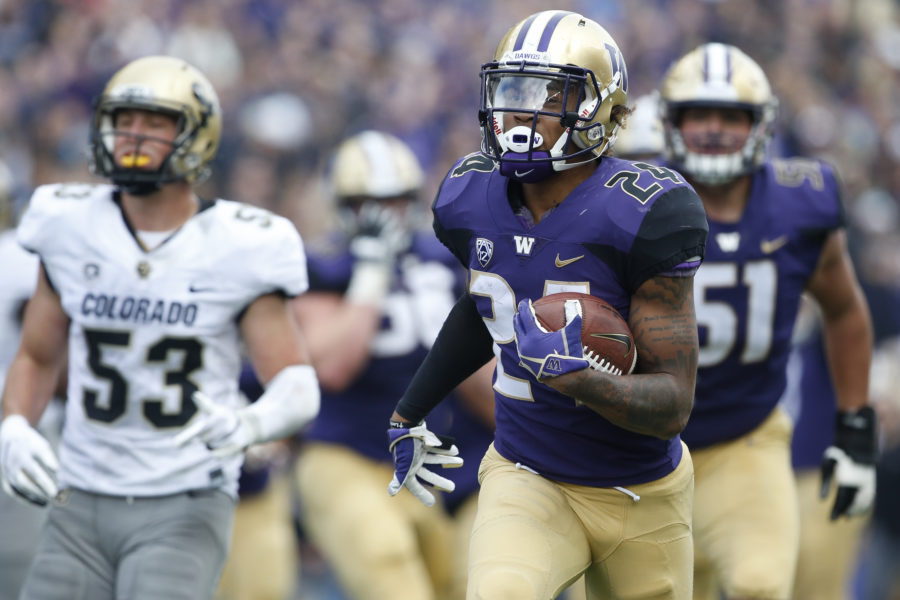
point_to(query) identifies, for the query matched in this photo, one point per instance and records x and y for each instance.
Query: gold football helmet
(374, 165)
(717, 75)
(642, 136)
(369, 172)
(160, 84)
(539, 65)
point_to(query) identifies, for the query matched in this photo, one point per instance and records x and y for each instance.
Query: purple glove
(413, 448)
(549, 353)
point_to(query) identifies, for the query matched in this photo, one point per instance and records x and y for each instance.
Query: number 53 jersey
(148, 328)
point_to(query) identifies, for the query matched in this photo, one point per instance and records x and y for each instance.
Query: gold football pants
(828, 549)
(533, 537)
(380, 547)
(746, 527)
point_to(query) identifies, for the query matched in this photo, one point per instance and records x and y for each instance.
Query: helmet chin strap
(125, 181)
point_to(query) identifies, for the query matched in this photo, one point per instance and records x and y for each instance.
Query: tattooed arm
(657, 399)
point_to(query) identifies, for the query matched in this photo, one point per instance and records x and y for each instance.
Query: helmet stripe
(717, 64)
(520, 39)
(379, 153)
(537, 30)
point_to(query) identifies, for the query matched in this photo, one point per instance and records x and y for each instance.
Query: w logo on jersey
(484, 250)
(728, 242)
(524, 244)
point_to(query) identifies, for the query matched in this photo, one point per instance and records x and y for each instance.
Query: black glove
(851, 461)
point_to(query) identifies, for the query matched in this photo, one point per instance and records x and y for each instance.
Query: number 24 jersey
(626, 223)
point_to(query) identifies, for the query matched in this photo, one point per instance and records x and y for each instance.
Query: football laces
(599, 363)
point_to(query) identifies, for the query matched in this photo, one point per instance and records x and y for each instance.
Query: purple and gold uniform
(370, 539)
(626, 223)
(747, 296)
(428, 284)
(811, 402)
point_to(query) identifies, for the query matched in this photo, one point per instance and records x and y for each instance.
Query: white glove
(855, 481)
(415, 448)
(850, 463)
(222, 429)
(28, 462)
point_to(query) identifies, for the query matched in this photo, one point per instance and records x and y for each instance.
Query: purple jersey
(427, 284)
(625, 224)
(747, 295)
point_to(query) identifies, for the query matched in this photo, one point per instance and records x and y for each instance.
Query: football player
(809, 400)
(262, 562)
(776, 229)
(379, 291)
(20, 522)
(587, 473)
(153, 290)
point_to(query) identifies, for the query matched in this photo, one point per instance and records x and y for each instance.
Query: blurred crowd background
(297, 76)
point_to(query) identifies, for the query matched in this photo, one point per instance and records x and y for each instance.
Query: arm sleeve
(462, 347)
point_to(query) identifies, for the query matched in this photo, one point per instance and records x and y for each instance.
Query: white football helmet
(162, 84)
(538, 66)
(642, 136)
(717, 75)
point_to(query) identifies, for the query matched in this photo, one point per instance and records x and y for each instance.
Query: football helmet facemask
(557, 64)
(717, 75)
(373, 167)
(167, 85)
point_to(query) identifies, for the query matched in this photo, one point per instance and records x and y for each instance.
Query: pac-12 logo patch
(484, 250)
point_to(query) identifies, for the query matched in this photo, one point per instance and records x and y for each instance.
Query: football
(605, 336)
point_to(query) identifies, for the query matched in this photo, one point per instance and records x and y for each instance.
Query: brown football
(605, 336)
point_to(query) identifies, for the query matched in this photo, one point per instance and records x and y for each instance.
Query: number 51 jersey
(148, 328)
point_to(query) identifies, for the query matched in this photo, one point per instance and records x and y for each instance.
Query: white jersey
(150, 327)
(18, 277)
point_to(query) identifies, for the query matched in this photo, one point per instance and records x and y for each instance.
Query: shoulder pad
(810, 187)
(50, 209)
(270, 241)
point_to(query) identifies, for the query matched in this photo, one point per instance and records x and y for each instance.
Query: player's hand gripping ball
(605, 336)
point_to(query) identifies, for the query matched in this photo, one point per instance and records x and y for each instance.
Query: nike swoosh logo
(616, 337)
(196, 289)
(523, 173)
(770, 246)
(568, 261)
